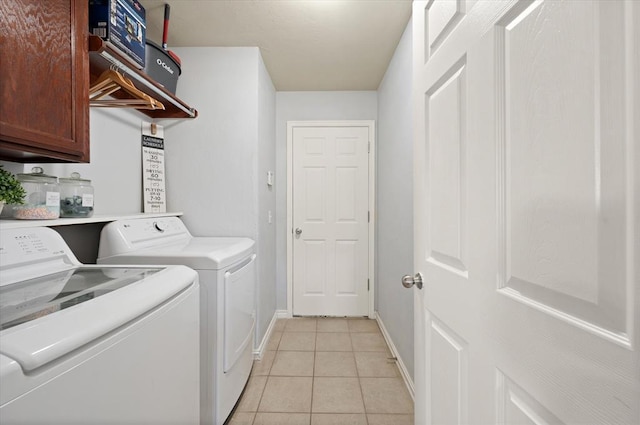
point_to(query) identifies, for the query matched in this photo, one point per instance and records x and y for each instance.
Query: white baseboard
(283, 314)
(403, 369)
(259, 352)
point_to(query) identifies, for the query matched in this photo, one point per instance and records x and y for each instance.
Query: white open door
(527, 211)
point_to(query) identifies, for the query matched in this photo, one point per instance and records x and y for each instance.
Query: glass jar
(76, 197)
(42, 200)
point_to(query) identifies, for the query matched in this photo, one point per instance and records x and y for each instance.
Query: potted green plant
(11, 191)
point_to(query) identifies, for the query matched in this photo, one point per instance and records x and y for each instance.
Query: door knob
(298, 231)
(408, 281)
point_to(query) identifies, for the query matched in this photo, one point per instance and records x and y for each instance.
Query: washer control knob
(160, 227)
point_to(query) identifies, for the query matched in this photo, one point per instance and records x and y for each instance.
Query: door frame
(370, 124)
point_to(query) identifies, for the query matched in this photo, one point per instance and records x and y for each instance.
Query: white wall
(266, 200)
(299, 106)
(394, 242)
(217, 164)
(211, 162)
(12, 167)
(115, 172)
(115, 169)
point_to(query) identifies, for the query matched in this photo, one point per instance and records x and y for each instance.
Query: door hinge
(368, 285)
(368, 216)
(369, 146)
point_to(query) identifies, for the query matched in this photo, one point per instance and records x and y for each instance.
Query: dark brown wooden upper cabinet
(44, 81)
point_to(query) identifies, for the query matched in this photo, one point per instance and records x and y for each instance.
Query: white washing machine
(226, 267)
(94, 344)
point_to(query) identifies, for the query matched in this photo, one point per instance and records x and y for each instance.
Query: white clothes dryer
(94, 344)
(226, 267)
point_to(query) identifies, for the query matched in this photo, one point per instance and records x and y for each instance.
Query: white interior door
(526, 211)
(330, 233)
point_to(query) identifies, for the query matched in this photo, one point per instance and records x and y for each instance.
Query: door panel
(446, 132)
(315, 264)
(526, 215)
(330, 207)
(565, 193)
(346, 187)
(441, 18)
(346, 259)
(449, 375)
(516, 406)
(315, 188)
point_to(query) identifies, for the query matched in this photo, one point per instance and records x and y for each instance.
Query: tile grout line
(261, 395)
(313, 374)
(364, 406)
(267, 379)
(316, 350)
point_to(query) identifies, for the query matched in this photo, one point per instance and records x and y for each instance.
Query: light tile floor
(325, 371)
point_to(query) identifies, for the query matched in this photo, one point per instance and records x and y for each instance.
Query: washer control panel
(28, 245)
(24, 252)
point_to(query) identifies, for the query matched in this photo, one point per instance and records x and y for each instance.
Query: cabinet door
(44, 78)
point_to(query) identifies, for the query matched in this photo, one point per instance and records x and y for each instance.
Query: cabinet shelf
(10, 223)
(102, 57)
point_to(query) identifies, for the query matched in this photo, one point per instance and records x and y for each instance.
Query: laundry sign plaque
(153, 168)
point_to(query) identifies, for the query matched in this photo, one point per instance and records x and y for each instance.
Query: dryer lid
(200, 253)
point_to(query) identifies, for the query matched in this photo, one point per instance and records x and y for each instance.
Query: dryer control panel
(132, 235)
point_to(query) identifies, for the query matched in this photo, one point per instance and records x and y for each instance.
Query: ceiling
(305, 44)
